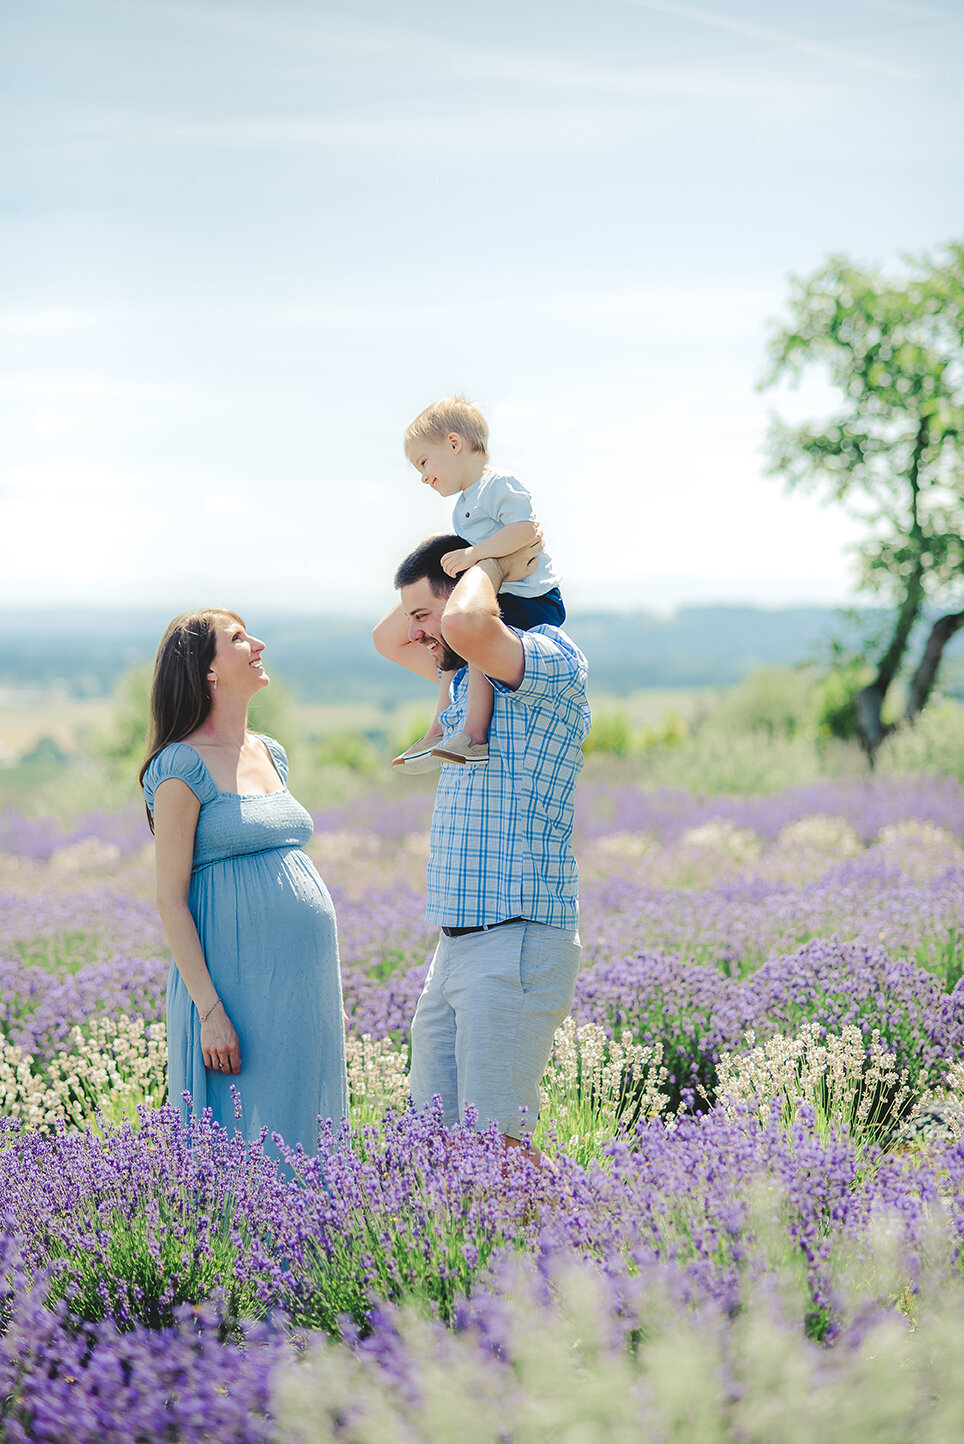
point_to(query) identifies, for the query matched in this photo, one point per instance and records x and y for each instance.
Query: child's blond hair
(452, 413)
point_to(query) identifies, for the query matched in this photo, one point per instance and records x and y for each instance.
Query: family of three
(254, 1000)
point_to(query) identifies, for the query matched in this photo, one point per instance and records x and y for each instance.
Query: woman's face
(237, 659)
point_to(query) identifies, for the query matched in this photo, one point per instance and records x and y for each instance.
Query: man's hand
(458, 561)
(520, 563)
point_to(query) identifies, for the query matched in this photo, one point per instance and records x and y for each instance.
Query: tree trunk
(869, 703)
(870, 699)
(924, 678)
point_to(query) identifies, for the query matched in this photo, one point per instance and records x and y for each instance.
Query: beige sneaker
(420, 757)
(460, 749)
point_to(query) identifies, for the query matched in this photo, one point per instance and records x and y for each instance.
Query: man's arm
(471, 623)
(392, 641)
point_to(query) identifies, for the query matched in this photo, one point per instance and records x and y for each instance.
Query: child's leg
(418, 757)
(444, 700)
(478, 711)
(471, 745)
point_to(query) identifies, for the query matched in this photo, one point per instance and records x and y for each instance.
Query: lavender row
(603, 806)
(737, 922)
(740, 922)
(698, 996)
(38, 838)
(134, 1270)
(868, 806)
(699, 1013)
(694, 1010)
(422, 1213)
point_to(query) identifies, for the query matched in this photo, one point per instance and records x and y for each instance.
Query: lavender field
(753, 1225)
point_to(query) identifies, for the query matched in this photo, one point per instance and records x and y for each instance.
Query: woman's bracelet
(205, 1016)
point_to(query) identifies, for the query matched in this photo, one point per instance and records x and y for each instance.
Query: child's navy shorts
(526, 612)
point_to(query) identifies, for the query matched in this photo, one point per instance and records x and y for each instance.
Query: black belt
(483, 928)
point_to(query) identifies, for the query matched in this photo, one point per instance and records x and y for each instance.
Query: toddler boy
(448, 443)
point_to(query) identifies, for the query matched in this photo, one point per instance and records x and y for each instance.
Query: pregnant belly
(265, 905)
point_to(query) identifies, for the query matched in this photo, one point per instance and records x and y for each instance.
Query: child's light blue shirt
(494, 501)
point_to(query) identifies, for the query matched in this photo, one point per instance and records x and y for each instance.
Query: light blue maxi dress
(267, 928)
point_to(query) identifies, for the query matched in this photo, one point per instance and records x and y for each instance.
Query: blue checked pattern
(500, 844)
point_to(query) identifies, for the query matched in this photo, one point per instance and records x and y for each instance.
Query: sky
(245, 242)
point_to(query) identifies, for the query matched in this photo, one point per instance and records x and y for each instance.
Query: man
(502, 881)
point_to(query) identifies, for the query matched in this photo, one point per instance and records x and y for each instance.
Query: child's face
(443, 464)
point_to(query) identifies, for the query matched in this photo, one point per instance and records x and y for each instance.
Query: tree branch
(925, 676)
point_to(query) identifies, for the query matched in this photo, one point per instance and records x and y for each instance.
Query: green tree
(124, 743)
(892, 451)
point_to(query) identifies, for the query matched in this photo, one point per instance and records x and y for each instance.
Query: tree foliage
(893, 449)
(125, 740)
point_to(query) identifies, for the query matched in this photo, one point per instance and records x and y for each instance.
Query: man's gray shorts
(483, 1028)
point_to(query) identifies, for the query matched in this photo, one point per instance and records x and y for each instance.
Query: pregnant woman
(254, 993)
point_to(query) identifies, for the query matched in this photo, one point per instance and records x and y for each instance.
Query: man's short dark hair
(426, 562)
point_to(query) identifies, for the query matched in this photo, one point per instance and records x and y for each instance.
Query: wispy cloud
(592, 108)
(280, 26)
(536, 130)
(547, 72)
(911, 12)
(774, 37)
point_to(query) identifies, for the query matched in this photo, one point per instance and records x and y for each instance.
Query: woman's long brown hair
(180, 691)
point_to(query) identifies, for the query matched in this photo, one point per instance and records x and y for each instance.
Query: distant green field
(72, 722)
(68, 721)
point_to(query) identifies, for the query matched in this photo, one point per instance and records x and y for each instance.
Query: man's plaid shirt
(500, 845)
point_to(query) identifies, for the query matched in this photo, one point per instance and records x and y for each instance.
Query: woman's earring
(214, 684)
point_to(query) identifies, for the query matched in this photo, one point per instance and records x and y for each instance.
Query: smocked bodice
(232, 824)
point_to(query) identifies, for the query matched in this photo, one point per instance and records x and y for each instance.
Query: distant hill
(328, 659)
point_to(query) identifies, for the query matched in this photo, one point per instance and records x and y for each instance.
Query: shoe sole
(457, 757)
(426, 763)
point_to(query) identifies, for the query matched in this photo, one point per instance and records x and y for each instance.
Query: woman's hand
(219, 1043)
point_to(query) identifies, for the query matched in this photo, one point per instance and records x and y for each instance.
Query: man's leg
(433, 1041)
(510, 990)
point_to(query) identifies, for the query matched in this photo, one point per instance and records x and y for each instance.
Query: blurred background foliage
(779, 727)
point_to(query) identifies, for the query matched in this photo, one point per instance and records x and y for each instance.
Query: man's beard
(445, 658)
